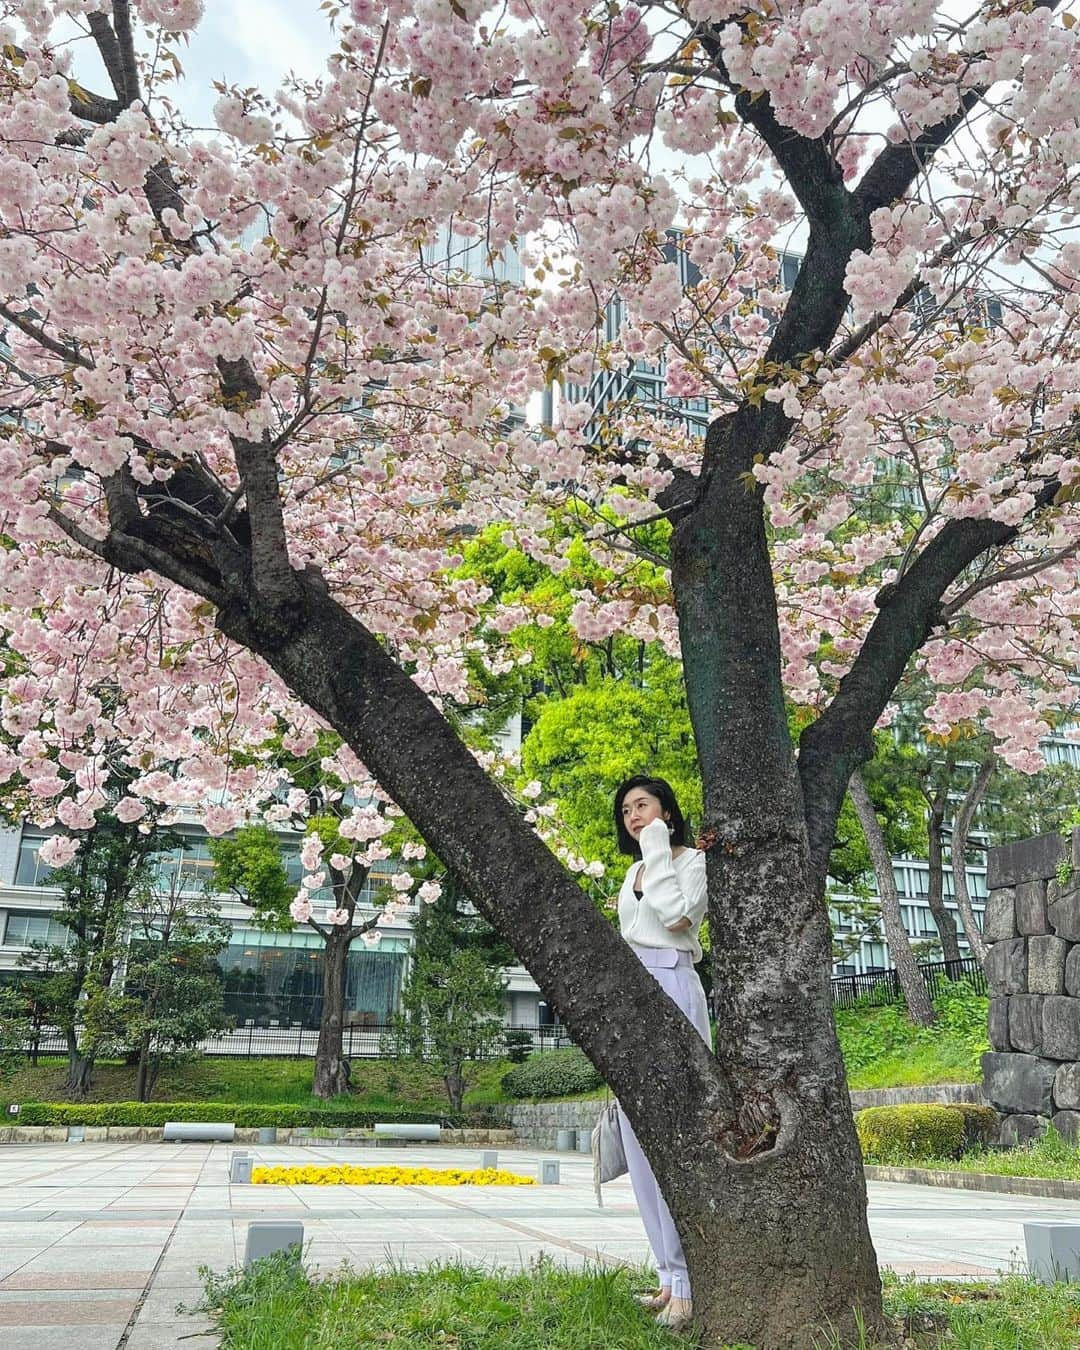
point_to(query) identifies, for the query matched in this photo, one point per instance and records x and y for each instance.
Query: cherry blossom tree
(252, 406)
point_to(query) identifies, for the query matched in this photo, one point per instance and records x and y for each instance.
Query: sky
(244, 42)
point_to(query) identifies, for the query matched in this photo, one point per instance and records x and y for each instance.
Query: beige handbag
(608, 1154)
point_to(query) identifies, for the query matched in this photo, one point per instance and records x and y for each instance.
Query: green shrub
(243, 1115)
(981, 1125)
(555, 1073)
(922, 1133)
(519, 1045)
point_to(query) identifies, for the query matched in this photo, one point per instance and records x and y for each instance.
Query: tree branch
(831, 748)
(38, 335)
(273, 578)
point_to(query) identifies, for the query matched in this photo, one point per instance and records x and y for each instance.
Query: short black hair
(662, 790)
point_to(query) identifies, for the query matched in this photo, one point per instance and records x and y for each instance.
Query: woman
(661, 905)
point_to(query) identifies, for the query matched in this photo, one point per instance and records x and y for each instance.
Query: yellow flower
(345, 1174)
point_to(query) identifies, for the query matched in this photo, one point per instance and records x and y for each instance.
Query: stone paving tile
(65, 1312)
(183, 1335)
(28, 1278)
(161, 1304)
(89, 1258)
(94, 1337)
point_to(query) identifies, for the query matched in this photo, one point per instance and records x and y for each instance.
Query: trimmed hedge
(554, 1073)
(243, 1115)
(922, 1132)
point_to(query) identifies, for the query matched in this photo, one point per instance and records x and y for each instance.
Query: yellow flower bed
(343, 1175)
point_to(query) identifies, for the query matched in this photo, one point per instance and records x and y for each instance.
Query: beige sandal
(678, 1315)
(655, 1300)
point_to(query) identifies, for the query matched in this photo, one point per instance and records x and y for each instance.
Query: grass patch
(883, 1048)
(377, 1084)
(1051, 1157)
(1015, 1313)
(274, 1306)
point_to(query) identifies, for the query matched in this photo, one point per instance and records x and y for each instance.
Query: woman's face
(638, 808)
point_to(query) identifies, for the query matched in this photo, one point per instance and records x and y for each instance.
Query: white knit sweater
(672, 889)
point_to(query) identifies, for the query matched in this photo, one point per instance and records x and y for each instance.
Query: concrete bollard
(264, 1239)
(565, 1140)
(76, 1134)
(1053, 1251)
(268, 1134)
(549, 1172)
(584, 1141)
(489, 1159)
(240, 1165)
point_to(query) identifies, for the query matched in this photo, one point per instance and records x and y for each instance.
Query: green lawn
(882, 1048)
(376, 1083)
(276, 1307)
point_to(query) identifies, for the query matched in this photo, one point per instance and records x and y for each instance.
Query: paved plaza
(99, 1242)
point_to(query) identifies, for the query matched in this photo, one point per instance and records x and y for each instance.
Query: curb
(1047, 1188)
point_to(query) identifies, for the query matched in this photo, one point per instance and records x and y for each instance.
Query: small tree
(79, 986)
(14, 1031)
(250, 865)
(452, 1004)
(173, 988)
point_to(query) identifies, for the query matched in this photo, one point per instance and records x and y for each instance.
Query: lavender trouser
(674, 972)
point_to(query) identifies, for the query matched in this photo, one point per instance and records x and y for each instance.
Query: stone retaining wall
(1032, 923)
(537, 1126)
(936, 1094)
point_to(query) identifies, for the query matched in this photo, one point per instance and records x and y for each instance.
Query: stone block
(1067, 1124)
(1031, 917)
(1063, 908)
(1053, 1251)
(240, 1165)
(999, 920)
(1072, 972)
(1067, 1087)
(1006, 967)
(1061, 1028)
(999, 1024)
(548, 1172)
(1018, 1083)
(1022, 1129)
(1025, 1023)
(265, 1239)
(1046, 965)
(1026, 860)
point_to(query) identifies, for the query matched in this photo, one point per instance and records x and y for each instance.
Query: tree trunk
(454, 1080)
(946, 924)
(756, 1154)
(961, 830)
(781, 1204)
(331, 1070)
(920, 1009)
(144, 1079)
(80, 1071)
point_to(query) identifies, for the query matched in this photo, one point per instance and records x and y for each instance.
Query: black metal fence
(879, 987)
(300, 1042)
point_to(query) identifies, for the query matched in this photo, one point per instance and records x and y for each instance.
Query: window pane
(30, 870)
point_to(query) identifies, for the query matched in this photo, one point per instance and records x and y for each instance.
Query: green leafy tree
(452, 1005)
(15, 1030)
(173, 988)
(79, 985)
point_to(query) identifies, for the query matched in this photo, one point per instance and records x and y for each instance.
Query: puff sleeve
(672, 894)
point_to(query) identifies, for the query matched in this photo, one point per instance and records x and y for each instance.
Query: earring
(670, 828)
